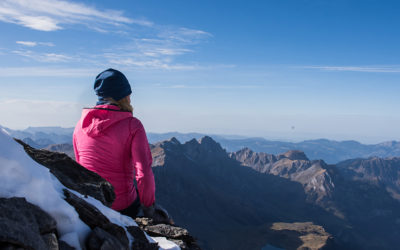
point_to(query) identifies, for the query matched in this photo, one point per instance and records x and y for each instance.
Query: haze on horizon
(293, 69)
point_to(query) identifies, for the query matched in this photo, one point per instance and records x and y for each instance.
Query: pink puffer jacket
(113, 144)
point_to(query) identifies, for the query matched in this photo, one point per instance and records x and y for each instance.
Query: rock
(73, 175)
(17, 234)
(9, 246)
(46, 223)
(141, 241)
(169, 231)
(51, 241)
(178, 235)
(21, 224)
(100, 239)
(94, 218)
(64, 245)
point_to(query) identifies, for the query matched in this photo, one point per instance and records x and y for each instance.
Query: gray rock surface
(179, 236)
(64, 245)
(22, 223)
(141, 241)
(51, 241)
(100, 239)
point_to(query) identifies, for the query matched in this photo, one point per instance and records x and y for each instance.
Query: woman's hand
(158, 214)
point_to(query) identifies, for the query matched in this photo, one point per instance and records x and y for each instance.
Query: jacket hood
(98, 119)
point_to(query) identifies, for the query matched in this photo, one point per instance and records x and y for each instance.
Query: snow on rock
(162, 241)
(21, 176)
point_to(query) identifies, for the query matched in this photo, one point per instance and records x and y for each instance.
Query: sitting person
(109, 141)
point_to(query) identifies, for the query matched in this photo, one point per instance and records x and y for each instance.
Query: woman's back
(113, 143)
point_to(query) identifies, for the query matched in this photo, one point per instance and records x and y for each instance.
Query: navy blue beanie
(111, 83)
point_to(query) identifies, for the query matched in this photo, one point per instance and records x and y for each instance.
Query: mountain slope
(365, 205)
(201, 185)
(381, 172)
(294, 165)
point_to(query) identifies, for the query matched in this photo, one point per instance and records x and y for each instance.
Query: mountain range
(330, 151)
(233, 200)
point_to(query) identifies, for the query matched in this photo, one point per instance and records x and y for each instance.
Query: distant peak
(170, 143)
(295, 155)
(193, 141)
(174, 140)
(205, 147)
(388, 143)
(245, 150)
(207, 140)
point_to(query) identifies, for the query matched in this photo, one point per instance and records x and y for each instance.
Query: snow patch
(166, 244)
(20, 176)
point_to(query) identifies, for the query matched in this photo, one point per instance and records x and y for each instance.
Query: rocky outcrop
(72, 175)
(178, 235)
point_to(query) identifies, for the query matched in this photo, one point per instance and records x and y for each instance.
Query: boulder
(51, 241)
(141, 241)
(100, 239)
(178, 235)
(24, 225)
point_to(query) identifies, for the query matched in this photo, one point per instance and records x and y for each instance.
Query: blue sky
(278, 69)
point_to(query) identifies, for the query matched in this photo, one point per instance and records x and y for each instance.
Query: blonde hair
(124, 104)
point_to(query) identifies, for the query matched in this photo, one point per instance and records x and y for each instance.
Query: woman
(108, 140)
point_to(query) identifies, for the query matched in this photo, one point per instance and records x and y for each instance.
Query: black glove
(158, 214)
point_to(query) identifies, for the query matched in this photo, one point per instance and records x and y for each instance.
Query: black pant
(133, 209)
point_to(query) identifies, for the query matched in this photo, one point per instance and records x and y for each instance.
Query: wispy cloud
(159, 50)
(27, 43)
(148, 64)
(51, 15)
(371, 69)
(48, 72)
(33, 44)
(43, 57)
(184, 35)
(183, 86)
